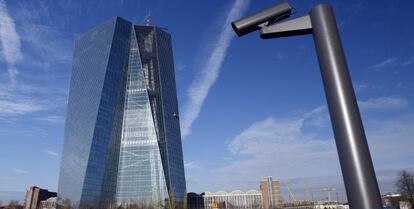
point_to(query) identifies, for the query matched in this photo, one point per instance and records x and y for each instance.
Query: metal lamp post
(354, 156)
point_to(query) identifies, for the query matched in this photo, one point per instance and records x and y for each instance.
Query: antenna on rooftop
(148, 20)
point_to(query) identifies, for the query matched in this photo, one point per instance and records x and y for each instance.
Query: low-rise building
(329, 205)
(49, 203)
(34, 195)
(395, 200)
(251, 199)
(195, 201)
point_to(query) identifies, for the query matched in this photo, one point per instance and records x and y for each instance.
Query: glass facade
(122, 138)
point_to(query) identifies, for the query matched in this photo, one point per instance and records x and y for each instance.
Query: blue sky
(250, 108)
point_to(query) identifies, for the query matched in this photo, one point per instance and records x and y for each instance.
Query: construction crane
(308, 193)
(296, 204)
(292, 197)
(328, 191)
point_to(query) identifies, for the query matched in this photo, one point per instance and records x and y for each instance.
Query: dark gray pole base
(354, 156)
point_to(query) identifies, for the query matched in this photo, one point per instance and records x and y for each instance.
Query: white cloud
(382, 103)
(192, 165)
(10, 40)
(286, 149)
(13, 72)
(20, 171)
(279, 146)
(18, 107)
(282, 149)
(391, 139)
(180, 66)
(47, 43)
(390, 62)
(361, 86)
(373, 104)
(50, 152)
(200, 87)
(21, 95)
(319, 117)
(52, 119)
(408, 62)
(41, 32)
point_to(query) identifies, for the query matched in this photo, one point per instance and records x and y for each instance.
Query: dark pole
(354, 156)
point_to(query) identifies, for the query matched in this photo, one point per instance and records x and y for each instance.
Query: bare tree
(66, 204)
(111, 204)
(185, 203)
(14, 204)
(405, 185)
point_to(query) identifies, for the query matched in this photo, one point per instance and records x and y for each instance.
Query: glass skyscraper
(122, 142)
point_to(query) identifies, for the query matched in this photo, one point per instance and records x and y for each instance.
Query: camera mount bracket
(298, 26)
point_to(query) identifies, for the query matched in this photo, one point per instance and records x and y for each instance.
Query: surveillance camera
(254, 22)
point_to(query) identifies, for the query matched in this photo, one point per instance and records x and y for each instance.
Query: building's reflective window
(141, 178)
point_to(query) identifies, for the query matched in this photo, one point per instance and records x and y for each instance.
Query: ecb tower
(122, 142)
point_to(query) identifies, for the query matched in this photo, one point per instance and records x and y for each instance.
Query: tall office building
(272, 198)
(122, 137)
